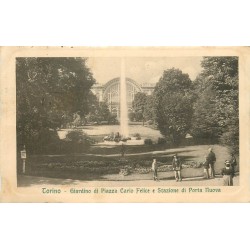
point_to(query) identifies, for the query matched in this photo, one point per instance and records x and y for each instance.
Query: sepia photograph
(122, 123)
(127, 121)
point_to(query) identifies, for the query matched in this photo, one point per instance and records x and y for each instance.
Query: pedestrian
(154, 169)
(211, 160)
(233, 162)
(176, 163)
(227, 173)
(206, 168)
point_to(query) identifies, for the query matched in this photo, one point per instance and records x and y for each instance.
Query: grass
(188, 154)
(74, 165)
(131, 149)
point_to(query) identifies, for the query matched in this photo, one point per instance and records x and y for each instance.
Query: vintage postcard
(124, 124)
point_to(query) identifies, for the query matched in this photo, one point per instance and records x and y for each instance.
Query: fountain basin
(128, 142)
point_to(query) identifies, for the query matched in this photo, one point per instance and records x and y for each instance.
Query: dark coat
(211, 157)
(176, 164)
(227, 171)
(206, 164)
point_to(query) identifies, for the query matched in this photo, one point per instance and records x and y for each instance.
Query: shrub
(76, 142)
(148, 142)
(137, 136)
(162, 140)
(76, 136)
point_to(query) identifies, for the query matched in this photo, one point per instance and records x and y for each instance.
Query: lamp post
(23, 157)
(142, 115)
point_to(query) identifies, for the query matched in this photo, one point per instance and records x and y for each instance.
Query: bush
(75, 142)
(137, 135)
(148, 142)
(162, 140)
(76, 136)
(38, 141)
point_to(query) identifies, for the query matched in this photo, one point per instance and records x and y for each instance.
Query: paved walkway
(34, 181)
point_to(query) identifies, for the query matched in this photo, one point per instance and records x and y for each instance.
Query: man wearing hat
(211, 160)
(227, 173)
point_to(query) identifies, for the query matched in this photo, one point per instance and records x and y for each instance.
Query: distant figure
(233, 163)
(177, 168)
(211, 160)
(206, 168)
(154, 169)
(122, 150)
(227, 173)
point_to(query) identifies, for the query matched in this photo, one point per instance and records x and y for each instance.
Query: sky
(142, 69)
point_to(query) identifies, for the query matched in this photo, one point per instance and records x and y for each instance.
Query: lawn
(105, 163)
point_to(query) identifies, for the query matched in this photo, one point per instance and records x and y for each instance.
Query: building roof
(105, 85)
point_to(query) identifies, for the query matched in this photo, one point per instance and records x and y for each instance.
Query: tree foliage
(216, 110)
(205, 120)
(150, 109)
(173, 104)
(138, 105)
(49, 91)
(100, 113)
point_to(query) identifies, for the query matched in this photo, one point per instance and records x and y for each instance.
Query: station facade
(110, 93)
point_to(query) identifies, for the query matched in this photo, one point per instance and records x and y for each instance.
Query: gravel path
(33, 181)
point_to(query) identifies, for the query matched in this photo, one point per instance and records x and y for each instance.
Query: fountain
(120, 135)
(123, 102)
(123, 135)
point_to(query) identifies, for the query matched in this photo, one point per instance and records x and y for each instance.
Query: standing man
(176, 163)
(233, 163)
(211, 160)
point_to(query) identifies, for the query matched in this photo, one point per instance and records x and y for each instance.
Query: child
(206, 168)
(177, 168)
(154, 169)
(227, 173)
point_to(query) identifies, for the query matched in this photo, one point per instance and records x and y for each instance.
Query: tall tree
(206, 120)
(173, 104)
(49, 91)
(100, 112)
(150, 109)
(217, 102)
(138, 105)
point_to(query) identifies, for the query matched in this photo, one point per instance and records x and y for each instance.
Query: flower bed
(122, 166)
